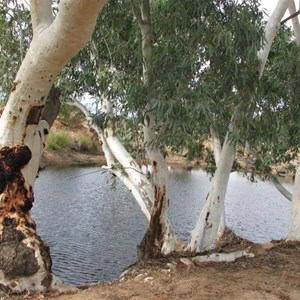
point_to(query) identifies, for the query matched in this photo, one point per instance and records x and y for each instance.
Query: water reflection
(92, 223)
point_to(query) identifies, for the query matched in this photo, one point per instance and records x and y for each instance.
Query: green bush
(85, 144)
(59, 141)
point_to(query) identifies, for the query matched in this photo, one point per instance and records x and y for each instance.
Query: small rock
(148, 279)
(187, 261)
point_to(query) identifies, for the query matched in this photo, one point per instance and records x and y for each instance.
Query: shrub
(59, 141)
(85, 144)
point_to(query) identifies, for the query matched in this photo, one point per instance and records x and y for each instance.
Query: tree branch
(295, 21)
(41, 14)
(293, 15)
(271, 29)
(288, 195)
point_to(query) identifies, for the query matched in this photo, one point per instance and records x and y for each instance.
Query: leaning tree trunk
(211, 223)
(25, 262)
(159, 238)
(120, 162)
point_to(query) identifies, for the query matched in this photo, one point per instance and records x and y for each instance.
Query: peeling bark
(24, 127)
(159, 238)
(152, 243)
(24, 258)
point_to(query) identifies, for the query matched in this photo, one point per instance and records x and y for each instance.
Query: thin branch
(287, 194)
(290, 17)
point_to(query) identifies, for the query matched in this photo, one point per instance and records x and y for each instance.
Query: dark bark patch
(52, 106)
(14, 86)
(27, 205)
(34, 115)
(10, 234)
(15, 157)
(17, 260)
(152, 242)
(47, 281)
(206, 219)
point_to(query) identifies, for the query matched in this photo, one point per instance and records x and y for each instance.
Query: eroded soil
(274, 274)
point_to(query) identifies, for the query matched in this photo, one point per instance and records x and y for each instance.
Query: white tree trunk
(159, 238)
(120, 162)
(160, 232)
(294, 232)
(217, 147)
(295, 22)
(211, 223)
(273, 26)
(25, 260)
(271, 29)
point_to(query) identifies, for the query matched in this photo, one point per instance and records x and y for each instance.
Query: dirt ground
(272, 274)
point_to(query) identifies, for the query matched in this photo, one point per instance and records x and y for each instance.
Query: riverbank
(272, 274)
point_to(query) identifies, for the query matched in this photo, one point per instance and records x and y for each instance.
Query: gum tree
(24, 257)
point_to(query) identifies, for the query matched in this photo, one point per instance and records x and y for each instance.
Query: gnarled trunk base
(25, 263)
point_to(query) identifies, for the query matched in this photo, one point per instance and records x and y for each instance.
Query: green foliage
(15, 36)
(85, 144)
(100, 120)
(70, 115)
(59, 141)
(274, 129)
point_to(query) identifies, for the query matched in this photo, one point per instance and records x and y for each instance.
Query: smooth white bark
(271, 29)
(217, 147)
(294, 231)
(121, 163)
(211, 223)
(295, 22)
(159, 234)
(49, 51)
(41, 14)
(54, 43)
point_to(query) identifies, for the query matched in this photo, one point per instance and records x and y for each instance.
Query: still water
(92, 223)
